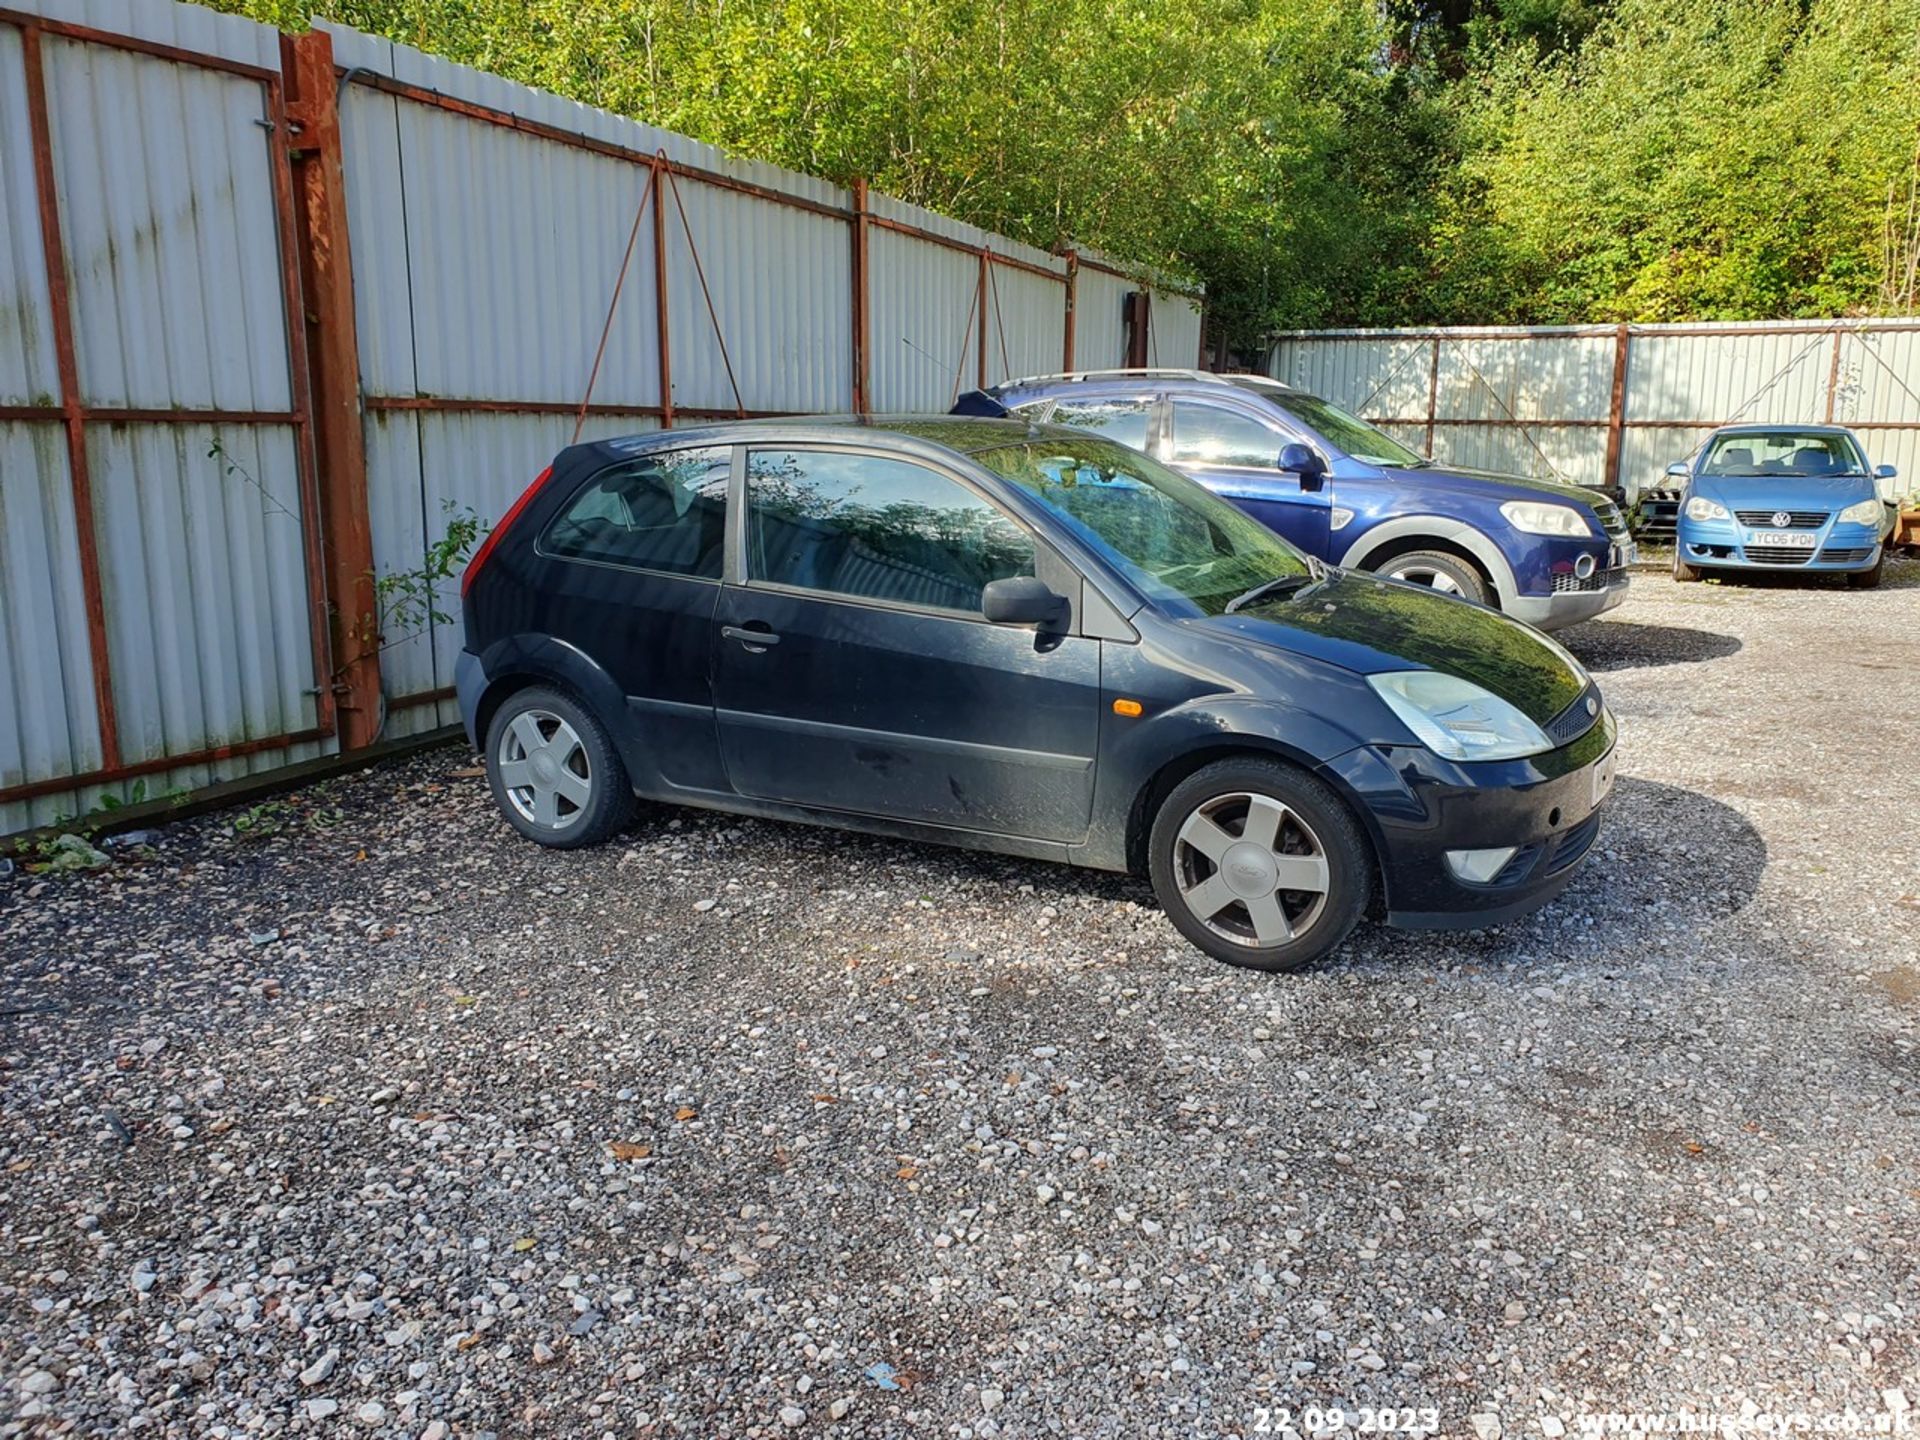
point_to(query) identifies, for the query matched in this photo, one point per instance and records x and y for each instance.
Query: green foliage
(408, 601)
(1312, 161)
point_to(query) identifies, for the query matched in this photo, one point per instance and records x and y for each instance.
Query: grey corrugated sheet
(28, 369)
(163, 176)
(1551, 375)
(1099, 320)
(166, 210)
(924, 322)
(47, 715)
(1173, 330)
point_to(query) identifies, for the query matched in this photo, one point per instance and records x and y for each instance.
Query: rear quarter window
(665, 512)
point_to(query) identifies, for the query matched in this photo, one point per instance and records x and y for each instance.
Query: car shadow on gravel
(1626, 645)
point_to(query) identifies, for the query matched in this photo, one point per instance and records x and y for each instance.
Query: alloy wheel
(1251, 869)
(1433, 579)
(544, 769)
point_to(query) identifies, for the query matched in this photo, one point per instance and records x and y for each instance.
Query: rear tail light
(506, 524)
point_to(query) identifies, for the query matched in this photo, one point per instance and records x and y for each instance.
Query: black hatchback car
(1027, 639)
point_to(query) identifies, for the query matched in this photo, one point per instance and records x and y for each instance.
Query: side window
(1208, 435)
(664, 512)
(1122, 420)
(875, 527)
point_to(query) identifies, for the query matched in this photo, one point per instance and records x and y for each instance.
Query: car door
(853, 670)
(1236, 454)
(632, 566)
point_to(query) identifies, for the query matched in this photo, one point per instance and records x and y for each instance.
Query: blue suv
(1342, 491)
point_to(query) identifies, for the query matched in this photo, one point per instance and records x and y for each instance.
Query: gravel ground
(357, 1115)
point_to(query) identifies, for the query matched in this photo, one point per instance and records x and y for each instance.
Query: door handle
(752, 639)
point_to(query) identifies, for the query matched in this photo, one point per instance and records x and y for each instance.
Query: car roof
(908, 434)
(1780, 427)
(1163, 377)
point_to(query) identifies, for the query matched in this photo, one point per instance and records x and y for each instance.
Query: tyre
(1437, 570)
(554, 772)
(1259, 864)
(1683, 573)
(1868, 579)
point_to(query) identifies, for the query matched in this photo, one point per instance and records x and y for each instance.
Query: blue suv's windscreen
(1192, 551)
(1343, 431)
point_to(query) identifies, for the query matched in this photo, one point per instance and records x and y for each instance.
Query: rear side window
(877, 528)
(665, 512)
(1208, 435)
(1122, 420)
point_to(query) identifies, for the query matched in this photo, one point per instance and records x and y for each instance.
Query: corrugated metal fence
(181, 586)
(1615, 404)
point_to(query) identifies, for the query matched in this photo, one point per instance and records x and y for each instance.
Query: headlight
(1867, 512)
(1457, 719)
(1537, 518)
(1701, 508)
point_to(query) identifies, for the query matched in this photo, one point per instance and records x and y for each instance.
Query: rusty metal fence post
(1433, 393)
(1073, 297)
(862, 312)
(1617, 403)
(332, 347)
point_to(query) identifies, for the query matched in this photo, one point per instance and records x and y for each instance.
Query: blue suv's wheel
(1438, 570)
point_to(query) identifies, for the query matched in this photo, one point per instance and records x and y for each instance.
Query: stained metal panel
(1026, 323)
(1173, 330)
(1377, 376)
(1099, 320)
(782, 286)
(29, 373)
(47, 716)
(514, 244)
(166, 209)
(1764, 376)
(924, 322)
(186, 27)
(1564, 377)
(208, 621)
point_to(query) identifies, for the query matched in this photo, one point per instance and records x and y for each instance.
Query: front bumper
(1833, 548)
(1423, 806)
(1569, 607)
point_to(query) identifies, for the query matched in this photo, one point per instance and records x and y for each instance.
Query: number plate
(1602, 773)
(1624, 554)
(1791, 539)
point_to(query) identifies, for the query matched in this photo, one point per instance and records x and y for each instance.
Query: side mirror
(1678, 469)
(1886, 472)
(1304, 461)
(1022, 600)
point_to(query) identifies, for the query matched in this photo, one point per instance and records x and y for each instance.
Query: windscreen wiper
(1279, 585)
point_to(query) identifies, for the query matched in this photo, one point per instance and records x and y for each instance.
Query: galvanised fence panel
(1615, 404)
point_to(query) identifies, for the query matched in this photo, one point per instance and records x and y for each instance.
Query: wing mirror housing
(1678, 469)
(1022, 600)
(1304, 461)
(1886, 472)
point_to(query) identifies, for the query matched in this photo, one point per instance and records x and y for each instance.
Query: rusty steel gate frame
(329, 408)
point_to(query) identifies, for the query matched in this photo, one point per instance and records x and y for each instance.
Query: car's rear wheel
(1437, 570)
(1259, 864)
(554, 772)
(1868, 579)
(1684, 573)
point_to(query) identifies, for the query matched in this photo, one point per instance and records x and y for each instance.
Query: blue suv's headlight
(1539, 518)
(1867, 512)
(1456, 718)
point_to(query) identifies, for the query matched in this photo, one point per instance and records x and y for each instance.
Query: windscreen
(1181, 544)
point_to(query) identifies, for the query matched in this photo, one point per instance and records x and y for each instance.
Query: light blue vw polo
(1784, 498)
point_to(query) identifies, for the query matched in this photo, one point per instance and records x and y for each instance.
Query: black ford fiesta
(1026, 639)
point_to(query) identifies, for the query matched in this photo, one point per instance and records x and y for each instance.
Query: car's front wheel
(1259, 864)
(554, 772)
(1684, 573)
(1437, 570)
(1868, 579)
